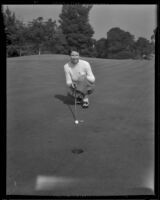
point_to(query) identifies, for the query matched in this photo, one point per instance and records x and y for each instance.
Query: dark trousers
(83, 88)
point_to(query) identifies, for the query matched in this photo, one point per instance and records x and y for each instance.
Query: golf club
(75, 108)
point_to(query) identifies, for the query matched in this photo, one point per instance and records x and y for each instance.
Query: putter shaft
(75, 107)
(75, 102)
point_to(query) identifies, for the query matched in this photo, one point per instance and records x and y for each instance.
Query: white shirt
(73, 72)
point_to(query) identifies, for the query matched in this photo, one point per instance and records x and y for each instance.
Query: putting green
(117, 135)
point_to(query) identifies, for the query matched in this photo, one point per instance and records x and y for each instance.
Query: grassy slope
(116, 136)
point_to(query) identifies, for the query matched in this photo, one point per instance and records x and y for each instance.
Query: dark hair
(73, 49)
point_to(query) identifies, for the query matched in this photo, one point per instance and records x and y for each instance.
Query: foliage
(143, 46)
(74, 30)
(119, 40)
(10, 27)
(74, 22)
(59, 43)
(101, 48)
(15, 33)
(36, 33)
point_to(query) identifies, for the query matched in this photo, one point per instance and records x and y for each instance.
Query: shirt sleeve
(89, 72)
(68, 76)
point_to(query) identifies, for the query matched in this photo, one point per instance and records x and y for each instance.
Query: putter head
(78, 121)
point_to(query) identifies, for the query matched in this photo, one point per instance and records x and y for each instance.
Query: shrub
(12, 51)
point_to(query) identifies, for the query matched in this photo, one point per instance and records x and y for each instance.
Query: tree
(20, 40)
(15, 30)
(50, 29)
(101, 48)
(118, 41)
(59, 44)
(9, 22)
(74, 23)
(36, 36)
(41, 34)
(143, 47)
(36, 33)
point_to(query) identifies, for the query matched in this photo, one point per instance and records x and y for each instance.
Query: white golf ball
(76, 121)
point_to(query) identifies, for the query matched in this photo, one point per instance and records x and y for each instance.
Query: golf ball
(76, 121)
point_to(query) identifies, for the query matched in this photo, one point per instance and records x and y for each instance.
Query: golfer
(79, 77)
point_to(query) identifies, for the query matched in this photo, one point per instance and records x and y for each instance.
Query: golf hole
(77, 151)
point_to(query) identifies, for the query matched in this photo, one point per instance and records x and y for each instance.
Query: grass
(117, 135)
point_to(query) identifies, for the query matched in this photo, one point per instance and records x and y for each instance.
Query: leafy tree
(9, 21)
(20, 40)
(41, 35)
(36, 33)
(50, 29)
(15, 31)
(10, 30)
(143, 47)
(58, 44)
(119, 40)
(45, 35)
(101, 48)
(74, 23)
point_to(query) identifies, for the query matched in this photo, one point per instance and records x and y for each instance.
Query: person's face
(74, 57)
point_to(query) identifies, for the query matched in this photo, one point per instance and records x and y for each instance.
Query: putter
(75, 108)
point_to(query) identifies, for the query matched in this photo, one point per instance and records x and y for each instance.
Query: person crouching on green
(79, 78)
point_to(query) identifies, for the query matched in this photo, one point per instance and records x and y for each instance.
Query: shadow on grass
(69, 101)
(65, 99)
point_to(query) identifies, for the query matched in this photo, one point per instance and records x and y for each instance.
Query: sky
(139, 20)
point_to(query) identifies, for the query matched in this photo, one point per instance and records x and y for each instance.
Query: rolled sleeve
(68, 77)
(90, 75)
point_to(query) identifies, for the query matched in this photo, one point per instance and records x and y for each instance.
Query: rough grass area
(117, 135)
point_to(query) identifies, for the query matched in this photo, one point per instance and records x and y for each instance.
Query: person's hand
(74, 85)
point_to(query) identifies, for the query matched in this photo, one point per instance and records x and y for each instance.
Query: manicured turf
(117, 135)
